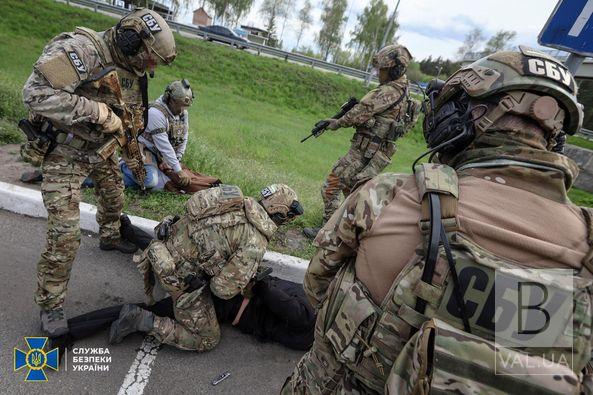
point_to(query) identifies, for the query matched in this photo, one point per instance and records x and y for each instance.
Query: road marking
(582, 20)
(139, 372)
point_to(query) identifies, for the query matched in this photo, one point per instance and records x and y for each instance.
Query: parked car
(226, 35)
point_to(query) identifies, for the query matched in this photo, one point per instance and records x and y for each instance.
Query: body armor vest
(199, 243)
(177, 126)
(370, 339)
(381, 131)
(92, 90)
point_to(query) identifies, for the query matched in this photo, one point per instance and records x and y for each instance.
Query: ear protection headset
(129, 36)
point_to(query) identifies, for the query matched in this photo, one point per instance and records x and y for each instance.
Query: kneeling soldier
(216, 247)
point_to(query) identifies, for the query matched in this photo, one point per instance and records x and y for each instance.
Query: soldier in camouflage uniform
(403, 277)
(379, 119)
(64, 93)
(215, 247)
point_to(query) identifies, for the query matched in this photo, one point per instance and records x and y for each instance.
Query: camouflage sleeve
(239, 269)
(374, 102)
(338, 240)
(49, 90)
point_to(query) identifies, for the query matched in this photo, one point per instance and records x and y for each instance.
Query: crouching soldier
(215, 248)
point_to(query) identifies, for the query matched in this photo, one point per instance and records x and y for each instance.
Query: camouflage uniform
(503, 205)
(59, 90)
(223, 236)
(379, 119)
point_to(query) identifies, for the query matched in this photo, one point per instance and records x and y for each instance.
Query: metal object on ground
(221, 378)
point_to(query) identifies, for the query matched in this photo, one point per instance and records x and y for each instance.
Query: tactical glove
(184, 178)
(163, 229)
(332, 124)
(108, 120)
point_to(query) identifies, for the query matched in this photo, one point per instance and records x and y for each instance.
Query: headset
(129, 38)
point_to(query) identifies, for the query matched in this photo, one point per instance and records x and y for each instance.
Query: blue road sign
(570, 27)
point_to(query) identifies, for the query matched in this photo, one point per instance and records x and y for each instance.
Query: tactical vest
(129, 82)
(381, 131)
(436, 282)
(198, 242)
(177, 126)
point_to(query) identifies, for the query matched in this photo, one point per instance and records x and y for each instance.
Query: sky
(427, 27)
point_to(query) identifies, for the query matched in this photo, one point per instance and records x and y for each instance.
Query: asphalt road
(100, 279)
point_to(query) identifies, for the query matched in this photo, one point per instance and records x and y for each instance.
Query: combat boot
(131, 319)
(311, 233)
(118, 244)
(53, 322)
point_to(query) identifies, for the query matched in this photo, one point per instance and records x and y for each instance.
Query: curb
(28, 202)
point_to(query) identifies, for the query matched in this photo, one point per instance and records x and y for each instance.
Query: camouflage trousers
(319, 372)
(61, 191)
(195, 326)
(348, 171)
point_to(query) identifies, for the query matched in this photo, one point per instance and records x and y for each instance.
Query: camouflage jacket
(376, 228)
(61, 87)
(222, 235)
(378, 102)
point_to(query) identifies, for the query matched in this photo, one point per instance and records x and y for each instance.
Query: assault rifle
(322, 125)
(132, 121)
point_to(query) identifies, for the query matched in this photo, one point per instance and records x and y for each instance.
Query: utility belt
(369, 144)
(71, 140)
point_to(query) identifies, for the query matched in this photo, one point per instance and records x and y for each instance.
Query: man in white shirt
(165, 137)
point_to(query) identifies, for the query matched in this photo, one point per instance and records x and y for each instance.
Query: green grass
(246, 123)
(580, 142)
(580, 197)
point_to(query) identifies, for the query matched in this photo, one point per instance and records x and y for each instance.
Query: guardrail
(192, 30)
(586, 133)
(259, 48)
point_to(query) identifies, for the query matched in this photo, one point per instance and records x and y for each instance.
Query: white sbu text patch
(552, 70)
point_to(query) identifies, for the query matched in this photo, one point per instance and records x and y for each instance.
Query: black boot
(311, 233)
(118, 244)
(131, 319)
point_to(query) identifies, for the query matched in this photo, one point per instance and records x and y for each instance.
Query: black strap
(144, 92)
(402, 97)
(456, 286)
(433, 246)
(438, 234)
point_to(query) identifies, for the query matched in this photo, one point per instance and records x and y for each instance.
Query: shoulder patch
(151, 23)
(76, 62)
(59, 70)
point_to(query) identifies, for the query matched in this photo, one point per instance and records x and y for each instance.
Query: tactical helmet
(180, 92)
(281, 203)
(391, 56)
(146, 28)
(524, 70)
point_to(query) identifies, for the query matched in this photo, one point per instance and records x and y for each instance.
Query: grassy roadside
(245, 125)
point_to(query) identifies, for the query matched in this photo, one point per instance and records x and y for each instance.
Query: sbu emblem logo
(36, 359)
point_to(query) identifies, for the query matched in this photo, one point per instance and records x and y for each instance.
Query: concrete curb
(27, 201)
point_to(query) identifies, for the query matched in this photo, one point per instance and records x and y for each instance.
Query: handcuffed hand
(109, 121)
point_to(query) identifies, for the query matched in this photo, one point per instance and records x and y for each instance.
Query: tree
(500, 41)
(471, 42)
(370, 29)
(438, 67)
(271, 10)
(329, 37)
(305, 20)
